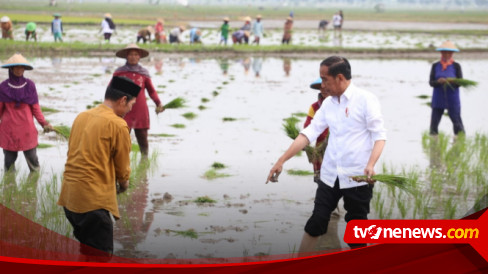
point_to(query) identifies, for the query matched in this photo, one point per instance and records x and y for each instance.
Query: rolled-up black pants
(93, 228)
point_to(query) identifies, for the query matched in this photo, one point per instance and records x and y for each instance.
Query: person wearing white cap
(446, 94)
(7, 28)
(138, 117)
(19, 103)
(108, 27)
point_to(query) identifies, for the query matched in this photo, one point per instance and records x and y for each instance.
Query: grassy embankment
(143, 13)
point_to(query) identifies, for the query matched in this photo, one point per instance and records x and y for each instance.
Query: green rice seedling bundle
(465, 83)
(290, 127)
(391, 180)
(175, 103)
(63, 131)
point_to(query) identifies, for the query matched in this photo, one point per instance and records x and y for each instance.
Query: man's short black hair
(121, 86)
(337, 65)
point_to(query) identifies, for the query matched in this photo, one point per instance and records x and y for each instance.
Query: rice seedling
(204, 200)
(42, 146)
(162, 135)
(63, 131)
(175, 103)
(225, 83)
(171, 81)
(205, 100)
(423, 96)
(465, 83)
(189, 115)
(388, 179)
(299, 114)
(48, 110)
(135, 148)
(297, 172)
(218, 165)
(228, 119)
(215, 93)
(190, 233)
(212, 174)
(178, 125)
(201, 107)
(291, 128)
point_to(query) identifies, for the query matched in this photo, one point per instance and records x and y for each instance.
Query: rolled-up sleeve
(374, 119)
(122, 154)
(317, 126)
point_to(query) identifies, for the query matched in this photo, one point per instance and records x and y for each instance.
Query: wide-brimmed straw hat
(316, 84)
(5, 19)
(226, 18)
(17, 60)
(123, 52)
(289, 18)
(182, 28)
(150, 29)
(447, 46)
(247, 18)
(161, 20)
(107, 15)
(258, 16)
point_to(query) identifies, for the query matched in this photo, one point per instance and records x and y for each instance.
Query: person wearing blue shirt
(57, 28)
(195, 34)
(257, 30)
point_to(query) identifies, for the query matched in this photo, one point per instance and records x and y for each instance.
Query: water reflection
(337, 40)
(20, 197)
(257, 65)
(158, 65)
(108, 64)
(224, 65)
(246, 64)
(287, 66)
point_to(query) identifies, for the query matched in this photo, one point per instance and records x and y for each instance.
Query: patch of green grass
(178, 125)
(218, 165)
(204, 200)
(297, 172)
(48, 110)
(228, 119)
(189, 115)
(204, 214)
(41, 146)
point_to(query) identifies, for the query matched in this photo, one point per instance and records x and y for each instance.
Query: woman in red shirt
(19, 103)
(138, 117)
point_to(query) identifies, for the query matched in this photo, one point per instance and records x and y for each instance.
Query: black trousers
(454, 114)
(93, 228)
(30, 156)
(356, 204)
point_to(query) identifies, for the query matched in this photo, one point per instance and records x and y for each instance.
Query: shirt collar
(347, 95)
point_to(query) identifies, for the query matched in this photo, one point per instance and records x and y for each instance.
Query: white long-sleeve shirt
(354, 125)
(106, 27)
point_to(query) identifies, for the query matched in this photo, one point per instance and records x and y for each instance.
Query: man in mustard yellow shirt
(98, 160)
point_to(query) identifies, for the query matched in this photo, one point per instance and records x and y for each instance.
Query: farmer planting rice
(446, 92)
(98, 167)
(321, 143)
(18, 104)
(138, 118)
(356, 141)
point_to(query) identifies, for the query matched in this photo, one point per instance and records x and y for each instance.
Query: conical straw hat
(107, 15)
(226, 18)
(447, 46)
(123, 52)
(247, 18)
(17, 60)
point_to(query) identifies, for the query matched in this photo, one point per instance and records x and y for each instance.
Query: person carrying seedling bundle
(57, 28)
(446, 93)
(19, 103)
(7, 28)
(321, 143)
(356, 140)
(98, 168)
(138, 117)
(224, 31)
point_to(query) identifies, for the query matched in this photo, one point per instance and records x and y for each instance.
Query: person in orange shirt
(98, 167)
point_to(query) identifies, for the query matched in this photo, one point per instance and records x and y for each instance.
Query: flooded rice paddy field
(349, 39)
(160, 218)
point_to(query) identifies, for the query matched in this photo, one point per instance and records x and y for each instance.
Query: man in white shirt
(356, 140)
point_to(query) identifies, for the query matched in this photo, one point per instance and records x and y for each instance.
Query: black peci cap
(125, 85)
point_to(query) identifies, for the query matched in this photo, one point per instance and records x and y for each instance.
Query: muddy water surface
(249, 217)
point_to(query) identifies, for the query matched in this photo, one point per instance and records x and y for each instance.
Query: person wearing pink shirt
(19, 103)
